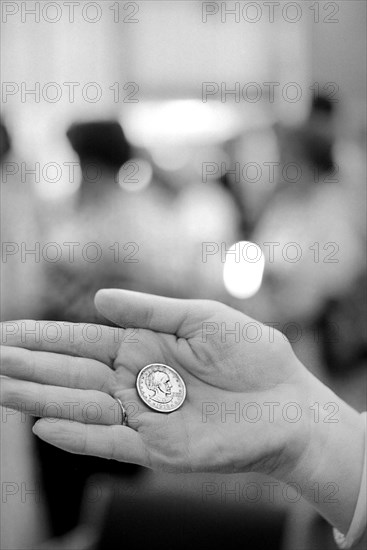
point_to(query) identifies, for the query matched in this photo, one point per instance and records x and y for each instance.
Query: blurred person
(215, 371)
(21, 269)
(21, 283)
(252, 173)
(201, 212)
(315, 252)
(95, 217)
(309, 146)
(149, 239)
(273, 156)
(346, 315)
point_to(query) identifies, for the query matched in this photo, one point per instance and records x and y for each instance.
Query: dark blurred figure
(343, 330)
(283, 157)
(4, 141)
(310, 145)
(102, 149)
(96, 215)
(320, 137)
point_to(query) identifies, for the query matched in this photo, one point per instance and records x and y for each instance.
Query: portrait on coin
(159, 383)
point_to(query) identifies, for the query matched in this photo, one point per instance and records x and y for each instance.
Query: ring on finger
(123, 411)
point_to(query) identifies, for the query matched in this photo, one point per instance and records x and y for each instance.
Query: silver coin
(161, 387)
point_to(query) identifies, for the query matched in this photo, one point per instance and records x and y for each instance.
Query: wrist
(328, 469)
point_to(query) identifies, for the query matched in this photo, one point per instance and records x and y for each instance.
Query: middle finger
(56, 369)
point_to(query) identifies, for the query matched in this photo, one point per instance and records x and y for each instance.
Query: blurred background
(140, 141)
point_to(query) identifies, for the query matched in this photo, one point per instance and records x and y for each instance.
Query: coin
(161, 387)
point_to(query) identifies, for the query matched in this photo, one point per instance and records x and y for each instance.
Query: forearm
(333, 460)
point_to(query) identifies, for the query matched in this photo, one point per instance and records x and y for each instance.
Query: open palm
(239, 376)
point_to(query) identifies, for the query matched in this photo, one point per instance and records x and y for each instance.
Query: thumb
(170, 315)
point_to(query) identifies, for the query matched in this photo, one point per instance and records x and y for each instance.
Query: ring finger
(86, 406)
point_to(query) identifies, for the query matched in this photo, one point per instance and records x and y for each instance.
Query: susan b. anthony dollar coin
(161, 387)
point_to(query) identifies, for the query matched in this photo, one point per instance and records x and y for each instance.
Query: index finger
(77, 339)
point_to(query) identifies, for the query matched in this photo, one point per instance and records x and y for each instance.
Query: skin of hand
(249, 405)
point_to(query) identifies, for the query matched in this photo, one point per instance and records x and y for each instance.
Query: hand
(72, 372)
(81, 368)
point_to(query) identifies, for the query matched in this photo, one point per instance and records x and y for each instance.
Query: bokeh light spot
(243, 269)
